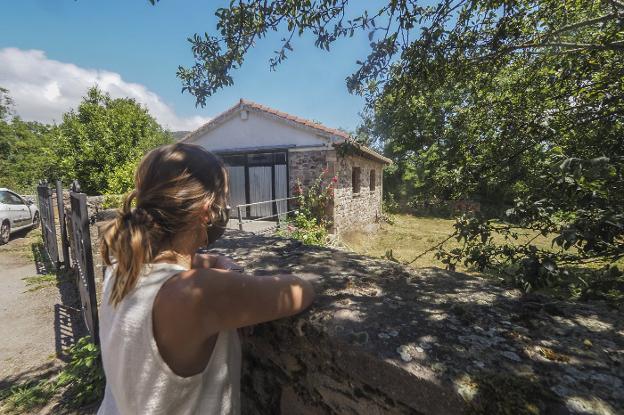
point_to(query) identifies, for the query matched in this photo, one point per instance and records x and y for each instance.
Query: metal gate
(82, 256)
(48, 225)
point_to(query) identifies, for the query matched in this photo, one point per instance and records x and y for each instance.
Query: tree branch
(617, 4)
(619, 45)
(581, 24)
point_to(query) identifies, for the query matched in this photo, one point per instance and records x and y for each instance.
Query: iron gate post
(61, 213)
(48, 225)
(82, 255)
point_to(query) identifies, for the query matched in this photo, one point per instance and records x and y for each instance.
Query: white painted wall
(256, 131)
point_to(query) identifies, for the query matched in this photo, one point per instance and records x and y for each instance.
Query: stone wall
(349, 210)
(384, 339)
(361, 210)
(94, 204)
(305, 166)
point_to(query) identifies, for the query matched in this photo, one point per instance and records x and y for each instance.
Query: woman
(168, 317)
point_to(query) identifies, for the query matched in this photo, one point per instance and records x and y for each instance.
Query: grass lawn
(409, 236)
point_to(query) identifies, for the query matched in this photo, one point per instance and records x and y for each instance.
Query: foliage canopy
(102, 141)
(26, 149)
(518, 104)
(99, 143)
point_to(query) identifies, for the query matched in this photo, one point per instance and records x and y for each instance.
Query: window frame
(356, 180)
(17, 197)
(372, 180)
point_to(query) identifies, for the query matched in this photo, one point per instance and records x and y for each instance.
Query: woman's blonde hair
(173, 185)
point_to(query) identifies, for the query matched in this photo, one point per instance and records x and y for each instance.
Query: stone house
(267, 151)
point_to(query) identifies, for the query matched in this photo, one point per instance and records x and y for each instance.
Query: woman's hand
(204, 260)
(224, 262)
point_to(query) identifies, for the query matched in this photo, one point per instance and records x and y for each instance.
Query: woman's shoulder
(185, 288)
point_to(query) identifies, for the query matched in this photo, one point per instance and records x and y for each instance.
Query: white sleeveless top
(138, 381)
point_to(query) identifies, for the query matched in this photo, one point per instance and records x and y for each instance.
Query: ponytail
(129, 240)
(173, 186)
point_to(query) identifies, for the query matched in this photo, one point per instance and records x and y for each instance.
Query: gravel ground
(27, 332)
(37, 321)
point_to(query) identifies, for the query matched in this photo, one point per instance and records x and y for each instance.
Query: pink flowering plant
(310, 222)
(315, 200)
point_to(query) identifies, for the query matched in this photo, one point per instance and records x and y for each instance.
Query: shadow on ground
(427, 340)
(32, 375)
(68, 324)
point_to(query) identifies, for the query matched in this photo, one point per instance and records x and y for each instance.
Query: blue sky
(144, 44)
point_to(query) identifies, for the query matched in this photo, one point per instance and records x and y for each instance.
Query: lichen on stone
(425, 341)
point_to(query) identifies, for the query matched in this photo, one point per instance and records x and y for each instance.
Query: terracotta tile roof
(246, 104)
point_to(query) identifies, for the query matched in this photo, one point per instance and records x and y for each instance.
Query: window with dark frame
(372, 183)
(355, 180)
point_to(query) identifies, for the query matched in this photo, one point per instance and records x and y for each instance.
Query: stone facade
(360, 210)
(350, 210)
(306, 166)
(381, 338)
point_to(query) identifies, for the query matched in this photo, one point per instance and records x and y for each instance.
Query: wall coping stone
(424, 341)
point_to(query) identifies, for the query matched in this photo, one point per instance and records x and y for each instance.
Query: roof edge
(283, 116)
(211, 123)
(366, 150)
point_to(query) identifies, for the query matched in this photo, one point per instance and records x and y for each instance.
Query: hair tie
(138, 216)
(142, 216)
(126, 216)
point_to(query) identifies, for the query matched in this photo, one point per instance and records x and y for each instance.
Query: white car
(16, 214)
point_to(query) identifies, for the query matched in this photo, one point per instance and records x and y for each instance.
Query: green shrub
(79, 384)
(306, 230)
(390, 204)
(310, 223)
(83, 378)
(112, 201)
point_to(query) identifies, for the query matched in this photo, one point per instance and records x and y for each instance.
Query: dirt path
(27, 330)
(35, 325)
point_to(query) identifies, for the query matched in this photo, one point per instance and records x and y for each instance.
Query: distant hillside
(177, 135)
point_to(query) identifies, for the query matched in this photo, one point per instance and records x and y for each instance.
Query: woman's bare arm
(194, 305)
(231, 300)
(214, 300)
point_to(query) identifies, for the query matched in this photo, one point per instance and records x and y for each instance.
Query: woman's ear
(206, 214)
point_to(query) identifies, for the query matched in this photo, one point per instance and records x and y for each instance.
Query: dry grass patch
(21, 244)
(409, 236)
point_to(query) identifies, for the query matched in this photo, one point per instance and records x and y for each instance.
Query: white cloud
(43, 89)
